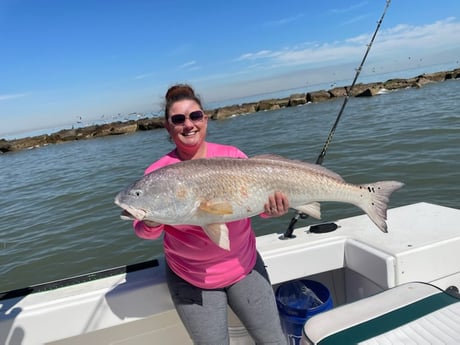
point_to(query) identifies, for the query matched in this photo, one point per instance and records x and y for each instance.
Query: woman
(202, 277)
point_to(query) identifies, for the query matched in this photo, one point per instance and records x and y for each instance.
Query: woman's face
(190, 133)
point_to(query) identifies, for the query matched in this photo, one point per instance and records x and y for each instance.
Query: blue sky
(62, 60)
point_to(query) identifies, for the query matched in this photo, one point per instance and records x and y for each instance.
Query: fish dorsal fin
(313, 209)
(220, 207)
(314, 167)
(218, 233)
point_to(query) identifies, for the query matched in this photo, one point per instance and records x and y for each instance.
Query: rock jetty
(144, 124)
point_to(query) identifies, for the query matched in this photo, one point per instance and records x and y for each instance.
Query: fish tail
(375, 200)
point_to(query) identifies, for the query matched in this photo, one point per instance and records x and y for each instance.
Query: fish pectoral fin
(216, 207)
(218, 233)
(313, 209)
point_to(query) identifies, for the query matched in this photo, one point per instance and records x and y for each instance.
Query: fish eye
(136, 192)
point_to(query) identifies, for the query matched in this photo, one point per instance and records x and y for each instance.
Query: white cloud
(356, 19)
(143, 76)
(6, 97)
(284, 21)
(400, 40)
(257, 55)
(349, 8)
(442, 33)
(189, 64)
(402, 47)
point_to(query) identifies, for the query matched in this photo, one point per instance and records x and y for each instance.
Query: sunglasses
(194, 116)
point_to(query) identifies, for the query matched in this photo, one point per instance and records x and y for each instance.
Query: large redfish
(211, 192)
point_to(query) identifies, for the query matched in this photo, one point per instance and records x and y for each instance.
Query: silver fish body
(211, 192)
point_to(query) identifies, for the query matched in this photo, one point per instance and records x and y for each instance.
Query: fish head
(156, 198)
(130, 200)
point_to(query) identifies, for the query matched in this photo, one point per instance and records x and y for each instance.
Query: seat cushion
(410, 311)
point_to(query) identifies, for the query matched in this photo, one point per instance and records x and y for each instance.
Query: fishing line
(319, 160)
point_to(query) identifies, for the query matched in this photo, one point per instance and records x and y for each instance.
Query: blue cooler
(297, 301)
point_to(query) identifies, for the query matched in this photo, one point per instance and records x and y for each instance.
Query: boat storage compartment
(410, 313)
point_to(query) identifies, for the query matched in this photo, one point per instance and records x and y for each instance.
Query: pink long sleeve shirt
(191, 254)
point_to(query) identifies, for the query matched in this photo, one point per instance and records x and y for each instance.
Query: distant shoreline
(144, 124)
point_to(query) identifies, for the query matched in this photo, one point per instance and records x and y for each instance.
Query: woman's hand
(277, 205)
(150, 223)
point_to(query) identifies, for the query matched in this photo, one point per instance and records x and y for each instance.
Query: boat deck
(355, 261)
(422, 244)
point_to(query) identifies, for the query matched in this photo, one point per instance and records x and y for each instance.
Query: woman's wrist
(151, 224)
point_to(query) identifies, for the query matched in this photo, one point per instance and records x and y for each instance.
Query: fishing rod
(319, 160)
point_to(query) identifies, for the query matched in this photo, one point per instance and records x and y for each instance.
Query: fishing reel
(315, 229)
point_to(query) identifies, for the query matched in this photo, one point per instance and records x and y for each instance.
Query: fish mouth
(131, 213)
(125, 215)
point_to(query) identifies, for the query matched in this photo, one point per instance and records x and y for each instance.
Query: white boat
(365, 270)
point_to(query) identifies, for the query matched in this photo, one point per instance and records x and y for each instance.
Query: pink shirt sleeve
(147, 232)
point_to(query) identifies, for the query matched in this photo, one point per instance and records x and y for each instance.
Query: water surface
(57, 217)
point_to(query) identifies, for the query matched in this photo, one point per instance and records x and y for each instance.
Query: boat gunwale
(78, 279)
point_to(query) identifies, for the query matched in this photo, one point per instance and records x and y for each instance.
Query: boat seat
(412, 313)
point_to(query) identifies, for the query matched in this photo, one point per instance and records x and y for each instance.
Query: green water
(57, 217)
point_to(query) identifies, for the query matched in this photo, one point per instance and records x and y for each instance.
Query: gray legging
(204, 312)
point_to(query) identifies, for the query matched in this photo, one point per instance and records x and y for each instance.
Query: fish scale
(210, 192)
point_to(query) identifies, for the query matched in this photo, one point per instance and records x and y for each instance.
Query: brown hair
(177, 93)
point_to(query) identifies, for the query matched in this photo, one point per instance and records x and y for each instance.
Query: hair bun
(178, 92)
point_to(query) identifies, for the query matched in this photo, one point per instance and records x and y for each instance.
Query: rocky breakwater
(359, 90)
(118, 128)
(89, 132)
